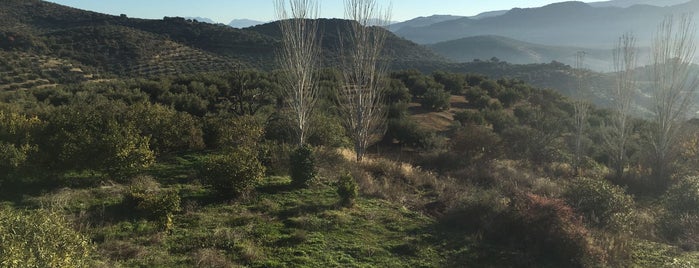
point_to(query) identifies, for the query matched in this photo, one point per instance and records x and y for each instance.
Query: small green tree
(348, 190)
(234, 172)
(436, 99)
(154, 202)
(41, 239)
(603, 204)
(303, 168)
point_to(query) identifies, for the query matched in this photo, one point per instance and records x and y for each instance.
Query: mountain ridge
(559, 24)
(518, 52)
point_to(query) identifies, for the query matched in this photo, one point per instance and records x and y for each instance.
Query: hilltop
(126, 46)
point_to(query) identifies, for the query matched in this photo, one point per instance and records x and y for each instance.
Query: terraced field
(21, 70)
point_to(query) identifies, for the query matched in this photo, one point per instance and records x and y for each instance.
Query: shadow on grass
(305, 209)
(468, 238)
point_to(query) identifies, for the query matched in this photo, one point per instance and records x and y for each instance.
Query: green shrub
(347, 189)
(474, 93)
(408, 132)
(683, 197)
(469, 117)
(679, 224)
(234, 172)
(436, 99)
(500, 119)
(475, 143)
(150, 200)
(603, 204)
(231, 132)
(303, 166)
(329, 132)
(41, 239)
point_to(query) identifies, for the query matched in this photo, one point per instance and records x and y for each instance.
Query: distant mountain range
(562, 24)
(518, 52)
(201, 19)
(244, 23)
(628, 3)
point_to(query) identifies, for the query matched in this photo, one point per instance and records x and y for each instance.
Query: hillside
(628, 3)
(518, 52)
(400, 52)
(561, 24)
(124, 46)
(422, 21)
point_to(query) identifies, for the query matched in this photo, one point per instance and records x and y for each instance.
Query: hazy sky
(225, 10)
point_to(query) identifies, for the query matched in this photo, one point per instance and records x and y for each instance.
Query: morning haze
(355, 133)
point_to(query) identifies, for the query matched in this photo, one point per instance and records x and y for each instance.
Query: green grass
(277, 225)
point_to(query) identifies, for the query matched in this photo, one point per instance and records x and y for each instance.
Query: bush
(329, 131)
(150, 200)
(408, 132)
(234, 172)
(500, 120)
(303, 167)
(551, 230)
(436, 99)
(474, 93)
(603, 204)
(683, 197)
(475, 143)
(170, 130)
(232, 132)
(348, 190)
(41, 239)
(544, 228)
(469, 118)
(679, 224)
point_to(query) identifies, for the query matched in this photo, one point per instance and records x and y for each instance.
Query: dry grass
(399, 182)
(211, 258)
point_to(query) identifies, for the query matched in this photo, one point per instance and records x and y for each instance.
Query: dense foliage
(233, 172)
(303, 166)
(41, 239)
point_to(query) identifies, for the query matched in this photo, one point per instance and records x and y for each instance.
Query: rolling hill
(518, 52)
(126, 46)
(561, 24)
(422, 21)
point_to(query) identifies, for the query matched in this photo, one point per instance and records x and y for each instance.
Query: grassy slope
(278, 226)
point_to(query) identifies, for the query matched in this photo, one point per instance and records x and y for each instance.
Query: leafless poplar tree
(581, 110)
(363, 68)
(299, 59)
(625, 55)
(672, 52)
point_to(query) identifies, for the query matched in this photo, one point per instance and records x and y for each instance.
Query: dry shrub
(546, 187)
(120, 250)
(550, 229)
(546, 229)
(399, 182)
(679, 224)
(211, 258)
(249, 252)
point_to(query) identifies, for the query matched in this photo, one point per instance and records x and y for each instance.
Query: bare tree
(361, 96)
(299, 59)
(674, 84)
(623, 94)
(581, 111)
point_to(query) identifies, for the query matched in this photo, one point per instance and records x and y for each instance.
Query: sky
(224, 11)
